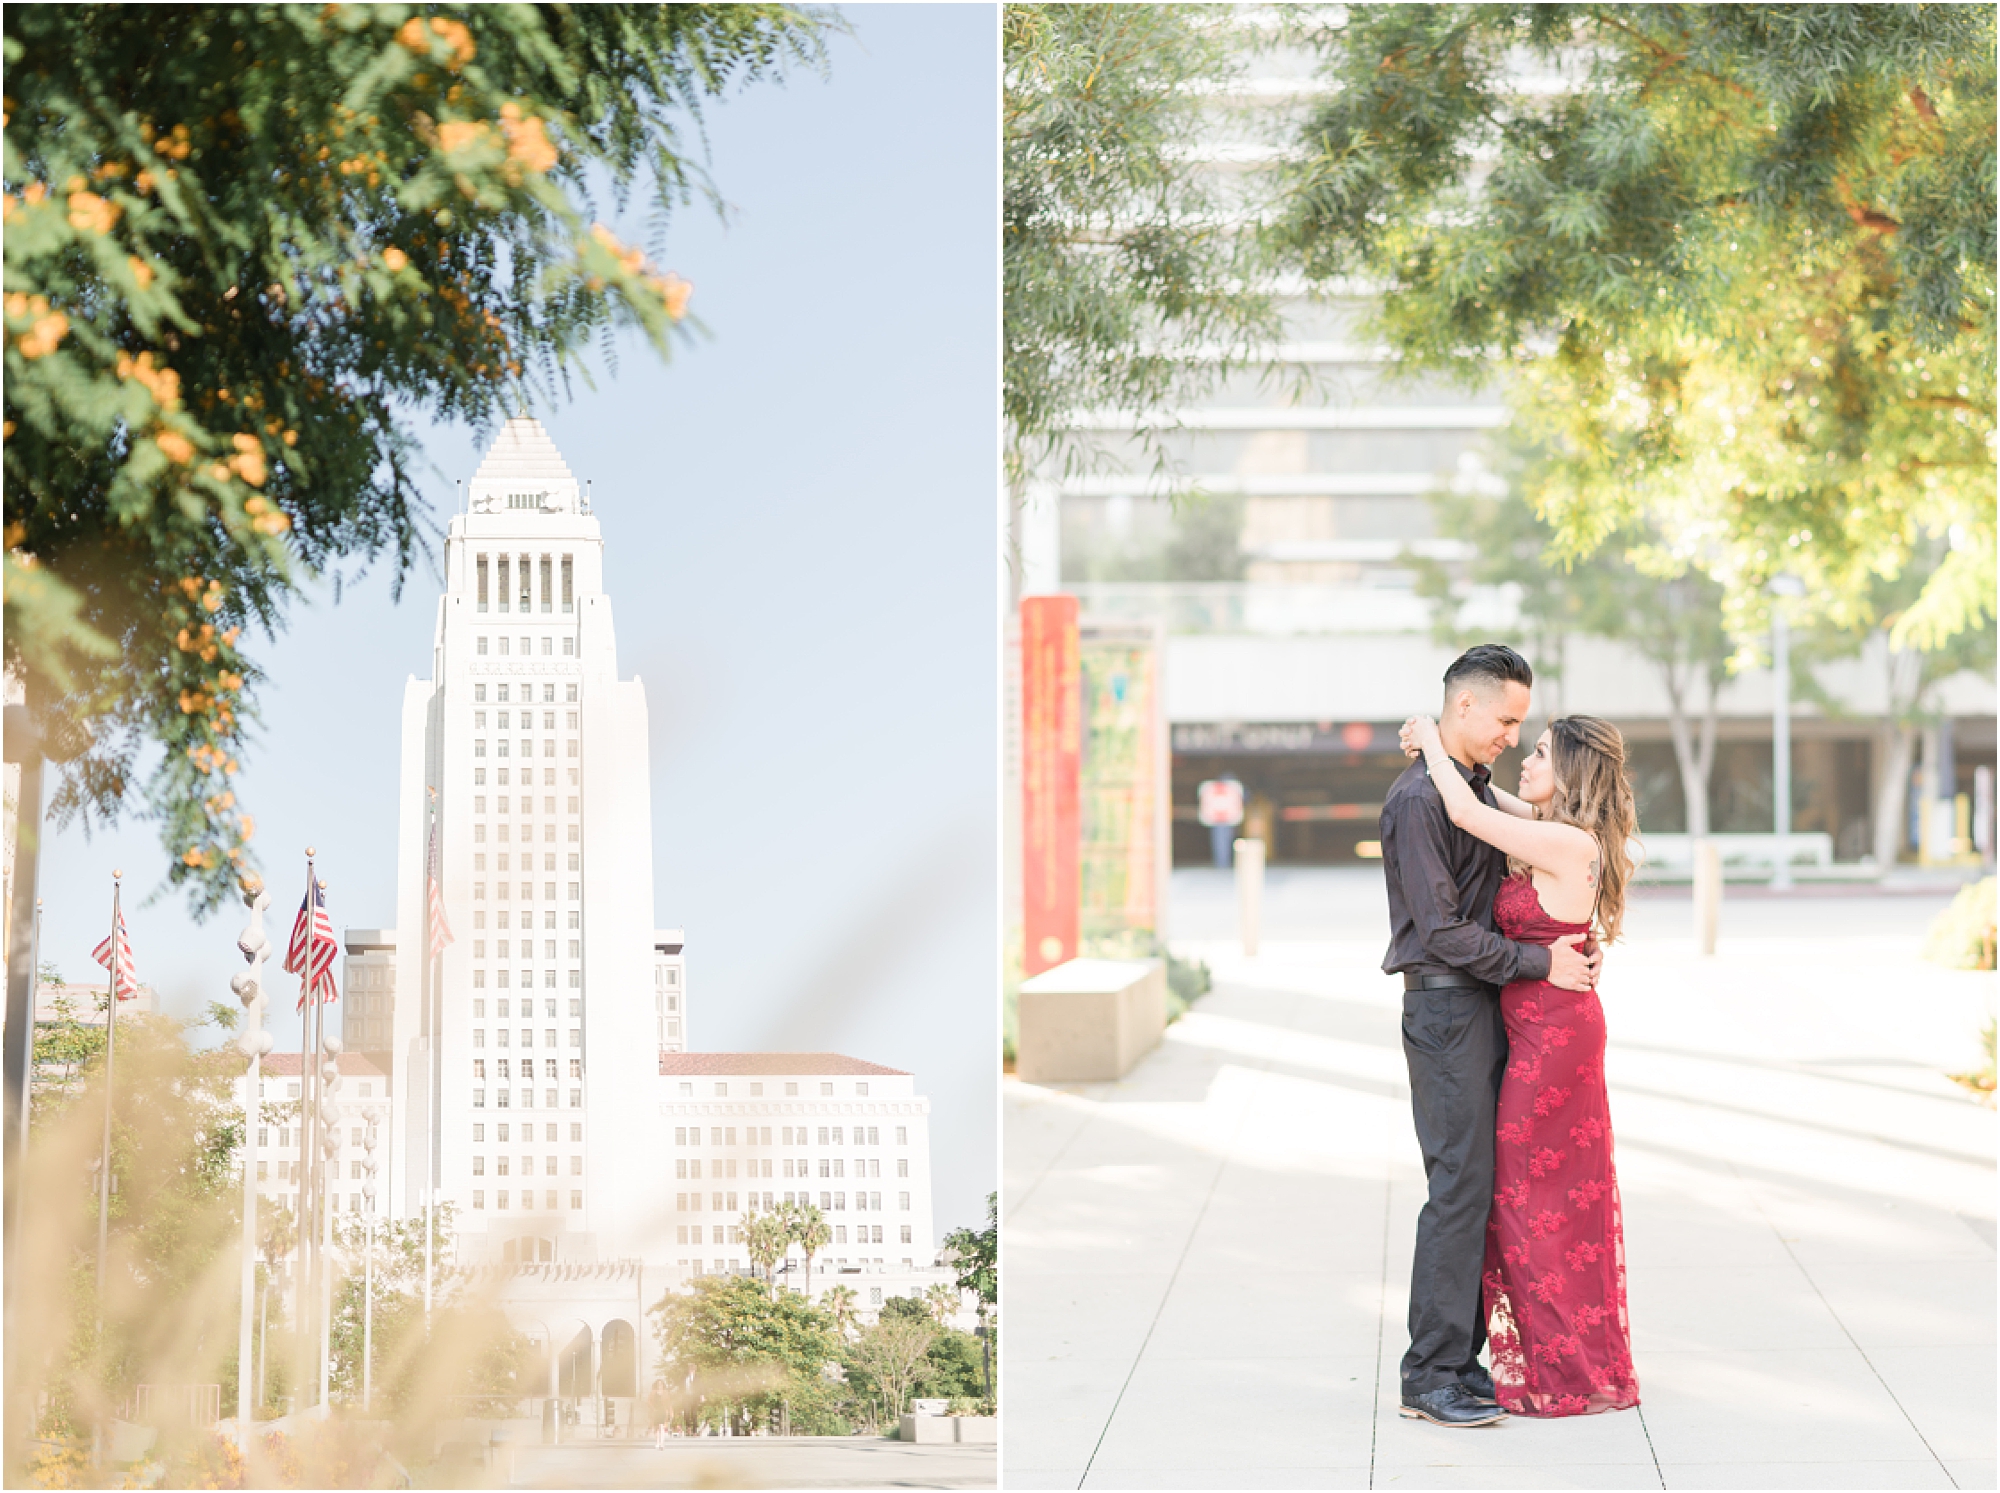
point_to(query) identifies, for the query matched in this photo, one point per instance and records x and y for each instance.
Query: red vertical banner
(1051, 754)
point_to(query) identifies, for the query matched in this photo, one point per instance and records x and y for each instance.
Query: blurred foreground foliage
(1962, 936)
(248, 251)
(1736, 263)
(172, 1288)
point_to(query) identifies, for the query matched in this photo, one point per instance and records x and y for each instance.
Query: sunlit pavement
(751, 1462)
(1206, 1265)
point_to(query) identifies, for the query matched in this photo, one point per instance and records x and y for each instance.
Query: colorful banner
(1051, 751)
(1124, 789)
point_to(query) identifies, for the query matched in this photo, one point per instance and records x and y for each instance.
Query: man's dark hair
(1486, 668)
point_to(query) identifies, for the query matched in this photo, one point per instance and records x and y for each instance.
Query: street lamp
(1782, 586)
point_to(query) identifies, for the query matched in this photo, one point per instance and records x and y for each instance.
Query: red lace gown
(1555, 1242)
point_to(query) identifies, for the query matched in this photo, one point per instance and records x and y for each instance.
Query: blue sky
(799, 515)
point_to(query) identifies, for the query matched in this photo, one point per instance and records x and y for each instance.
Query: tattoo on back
(1590, 876)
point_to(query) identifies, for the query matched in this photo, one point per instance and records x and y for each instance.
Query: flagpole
(104, 1164)
(308, 1108)
(322, 1219)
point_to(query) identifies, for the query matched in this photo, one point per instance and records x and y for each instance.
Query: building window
(902, 1166)
(902, 1135)
(478, 750)
(481, 650)
(902, 1202)
(478, 1194)
(840, 1235)
(861, 1090)
(906, 1233)
(478, 1095)
(500, 1101)
(826, 1091)
(576, 1098)
(500, 1201)
(791, 1091)
(680, 1167)
(478, 1162)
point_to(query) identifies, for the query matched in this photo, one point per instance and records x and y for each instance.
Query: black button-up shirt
(1441, 887)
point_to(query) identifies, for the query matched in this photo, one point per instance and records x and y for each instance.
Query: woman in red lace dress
(1555, 1246)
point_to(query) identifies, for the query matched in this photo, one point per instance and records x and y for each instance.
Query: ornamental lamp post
(329, 1129)
(253, 1044)
(368, 1166)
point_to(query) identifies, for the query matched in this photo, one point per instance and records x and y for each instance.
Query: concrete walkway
(746, 1462)
(1206, 1265)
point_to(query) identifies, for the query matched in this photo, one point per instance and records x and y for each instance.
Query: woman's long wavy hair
(1593, 792)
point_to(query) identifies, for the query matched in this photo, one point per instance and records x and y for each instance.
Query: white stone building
(363, 1095)
(742, 1132)
(541, 1064)
(529, 755)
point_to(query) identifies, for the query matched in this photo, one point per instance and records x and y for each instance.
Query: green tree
(941, 1301)
(249, 251)
(749, 1352)
(1738, 267)
(976, 1256)
(839, 1304)
(766, 1236)
(891, 1355)
(807, 1227)
(1633, 588)
(1127, 285)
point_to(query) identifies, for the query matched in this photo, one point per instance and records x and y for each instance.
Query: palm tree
(766, 1237)
(840, 1302)
(812, 1233)
(942, 1300)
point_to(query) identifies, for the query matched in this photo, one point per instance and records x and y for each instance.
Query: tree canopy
(1130, 285)
(248, 250)
(1737, 261)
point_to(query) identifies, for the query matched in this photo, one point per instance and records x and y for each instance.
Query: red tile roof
(352, 1065)
(761, 1064)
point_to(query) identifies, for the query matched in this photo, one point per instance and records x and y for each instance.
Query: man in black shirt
(1441, 883)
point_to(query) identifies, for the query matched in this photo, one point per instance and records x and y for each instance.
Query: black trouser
(1456, 1045)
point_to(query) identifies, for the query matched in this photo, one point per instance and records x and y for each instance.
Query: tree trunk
(1896, 745)
(1695, 759)
(1896, 748)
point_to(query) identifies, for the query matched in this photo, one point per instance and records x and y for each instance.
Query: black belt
(1443, 982)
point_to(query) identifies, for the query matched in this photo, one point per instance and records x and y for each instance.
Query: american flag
(320, 952)
(124, 974)
(440, 929)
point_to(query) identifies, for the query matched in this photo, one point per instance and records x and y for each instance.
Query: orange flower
(141, 271)
(160, 381)
(90, 213)
(527, 138)
(395, 259)
(458, 38)
(455, 135)
(43, 337)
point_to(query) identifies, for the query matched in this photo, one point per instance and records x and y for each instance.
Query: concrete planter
(945, 1430)
(1090, 1020)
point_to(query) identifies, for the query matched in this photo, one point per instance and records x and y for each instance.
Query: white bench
(1674, 854)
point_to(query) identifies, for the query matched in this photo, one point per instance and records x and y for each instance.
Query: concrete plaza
(1207, 1264)
(747, 1462)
